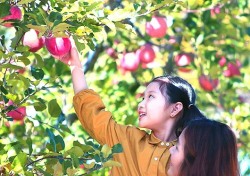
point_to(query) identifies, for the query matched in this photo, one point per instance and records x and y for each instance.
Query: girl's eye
(150, 96)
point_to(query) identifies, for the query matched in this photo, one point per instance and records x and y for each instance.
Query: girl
(205, 148)
(168, 104)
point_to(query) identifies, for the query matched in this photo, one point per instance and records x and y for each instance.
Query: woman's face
(177, 156)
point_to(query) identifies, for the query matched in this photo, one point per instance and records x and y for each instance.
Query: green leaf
(110, 24)
(76, 150)
(58, 169)
(75, 160)
(93, 6)
(53, 16)
(91, 44)
(18, 36)
(65, 128)
(24, 60)
(199, 39)
(25, 81)
(193, 4)
(60, 145)
(79, 46)
(39, 61)
(85, 148)
(28, 173)
(60, 27)
(160, 5)
(106, 150)
(89, 166)
(52, 140)
(19, 162)
(71, 172)
(3, 90)
(22, 48)
(37, 73)
(120, 14)
(53, 108)
(111, 163)
(15, 67)
(4, 9)
(29, 143)
(41, 29)
(126, 27)
(136, 6)
(117, 148)
(181, 3)
(39, 106)
(26, 2)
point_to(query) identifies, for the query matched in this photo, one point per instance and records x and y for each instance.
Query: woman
(205, 148)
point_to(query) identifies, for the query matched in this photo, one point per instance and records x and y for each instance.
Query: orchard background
(123, 44)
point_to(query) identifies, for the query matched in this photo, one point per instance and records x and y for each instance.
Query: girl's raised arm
(77, 73)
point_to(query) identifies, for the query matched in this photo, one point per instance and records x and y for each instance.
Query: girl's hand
(71, 58)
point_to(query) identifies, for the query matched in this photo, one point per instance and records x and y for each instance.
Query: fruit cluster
(58, 47)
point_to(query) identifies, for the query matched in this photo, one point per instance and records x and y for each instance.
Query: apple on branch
(157, 27)
(15, 14)
(233, 69)
(146, 53)
(58, 47)
(222, 61)
(208, 84)
(182, 60)
(31, 40)
(129, 62)
(18, 113)
(215, 10)
(111, 52)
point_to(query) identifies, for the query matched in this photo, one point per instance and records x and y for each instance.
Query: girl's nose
(141, 104)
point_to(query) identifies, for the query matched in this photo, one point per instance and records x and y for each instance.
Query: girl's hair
(210, 149)
(176, 89)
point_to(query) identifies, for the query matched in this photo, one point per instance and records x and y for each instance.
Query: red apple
(15, 14)
(232, 70)
(157, 27)
(17, 114)
(146, 53)
(112, 53)
(129, 62)
(31, 40)
(21, 71)
(207, 83)
(58, 47)
(222, 61)
(182, 60)
(215, 10)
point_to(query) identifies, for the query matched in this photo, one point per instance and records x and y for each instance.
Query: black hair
(176, 89)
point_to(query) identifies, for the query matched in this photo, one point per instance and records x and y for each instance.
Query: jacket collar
(155, 141)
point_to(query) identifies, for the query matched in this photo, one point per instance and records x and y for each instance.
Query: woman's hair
(176, 89)
(210, 150)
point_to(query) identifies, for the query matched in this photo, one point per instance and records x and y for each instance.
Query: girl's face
(177, 156)
(153, 110)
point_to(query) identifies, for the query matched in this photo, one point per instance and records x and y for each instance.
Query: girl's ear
(177, 108)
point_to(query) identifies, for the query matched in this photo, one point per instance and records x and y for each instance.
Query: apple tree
(123, 45)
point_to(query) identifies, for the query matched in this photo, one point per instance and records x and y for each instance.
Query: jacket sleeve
(98, 122)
